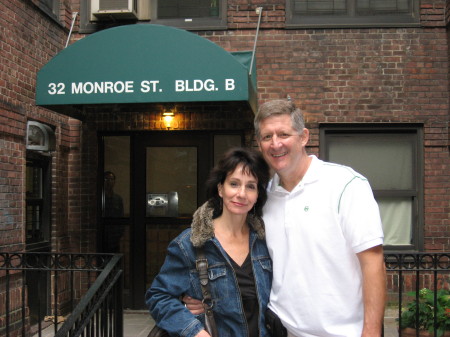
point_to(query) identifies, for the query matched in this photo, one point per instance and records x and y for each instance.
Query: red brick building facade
(389, 76)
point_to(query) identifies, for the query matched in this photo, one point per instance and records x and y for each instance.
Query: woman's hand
(193, 305)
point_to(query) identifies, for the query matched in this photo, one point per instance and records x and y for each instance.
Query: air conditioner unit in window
(114, 9)
(40, 137)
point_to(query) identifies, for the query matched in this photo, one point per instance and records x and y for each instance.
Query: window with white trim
(185, 14)
(350, 13)
(391, 158)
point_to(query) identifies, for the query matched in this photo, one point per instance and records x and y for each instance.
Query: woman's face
(239, 192)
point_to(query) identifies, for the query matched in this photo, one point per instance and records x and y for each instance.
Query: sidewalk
(390, 323)
(138, 323)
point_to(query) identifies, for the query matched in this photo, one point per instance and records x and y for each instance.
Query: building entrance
(152, 184)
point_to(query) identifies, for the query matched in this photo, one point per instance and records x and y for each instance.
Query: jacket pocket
(266, 264)
(218, 282)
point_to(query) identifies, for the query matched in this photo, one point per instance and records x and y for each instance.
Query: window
(349, 13)
(37, 202)
(116, 177)
(391, 159)
(51, 7)
(186, 14)
(190, 14)
(223, 143)
(171, 181)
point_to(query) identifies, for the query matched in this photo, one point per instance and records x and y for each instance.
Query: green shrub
(426, 312)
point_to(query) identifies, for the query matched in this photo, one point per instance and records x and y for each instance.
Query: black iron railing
(82, 294)
(415, 283)
(86, 290)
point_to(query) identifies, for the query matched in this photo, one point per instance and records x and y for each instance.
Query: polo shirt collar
(311, 175)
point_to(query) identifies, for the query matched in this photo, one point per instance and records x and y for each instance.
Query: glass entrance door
(170, 174)
(152, 184)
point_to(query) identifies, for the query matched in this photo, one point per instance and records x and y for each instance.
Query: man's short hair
(276, 108)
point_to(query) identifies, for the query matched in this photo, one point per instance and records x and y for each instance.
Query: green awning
(145, 63)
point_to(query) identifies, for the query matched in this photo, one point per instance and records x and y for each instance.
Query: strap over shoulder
(202, 268)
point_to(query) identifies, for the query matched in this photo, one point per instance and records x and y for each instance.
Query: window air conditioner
(114, 9)
(40, 137)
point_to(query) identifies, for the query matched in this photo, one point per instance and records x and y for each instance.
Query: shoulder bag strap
(202, 268)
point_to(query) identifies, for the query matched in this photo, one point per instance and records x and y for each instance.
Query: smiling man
(324, 235)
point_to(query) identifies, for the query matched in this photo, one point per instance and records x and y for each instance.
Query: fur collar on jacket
(203, 228)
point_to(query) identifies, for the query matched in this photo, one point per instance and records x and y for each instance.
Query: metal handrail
(94, 300)
(100, 308)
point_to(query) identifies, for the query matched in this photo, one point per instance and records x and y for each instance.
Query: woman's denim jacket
(178, 276)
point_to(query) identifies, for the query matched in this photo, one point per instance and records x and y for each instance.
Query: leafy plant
(426, 312)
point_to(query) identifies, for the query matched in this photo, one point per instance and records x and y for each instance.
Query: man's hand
(194, 306)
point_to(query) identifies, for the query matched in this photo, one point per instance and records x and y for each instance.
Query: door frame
(203, 141)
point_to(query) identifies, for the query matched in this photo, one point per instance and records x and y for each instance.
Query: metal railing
(415, 282)
(82, 294)
(86, 289)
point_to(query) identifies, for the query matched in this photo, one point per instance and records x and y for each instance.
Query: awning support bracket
(258, 11)
(74, 17)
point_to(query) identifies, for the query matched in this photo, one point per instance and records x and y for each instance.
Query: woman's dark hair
(253, 163)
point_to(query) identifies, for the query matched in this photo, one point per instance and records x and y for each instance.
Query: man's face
(109, 181)
(281, 145)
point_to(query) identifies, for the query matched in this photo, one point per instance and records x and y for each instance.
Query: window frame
(44, 202)
(350, 20)
(147, 14)
(198, 24)
(50, 7)
(417, 193)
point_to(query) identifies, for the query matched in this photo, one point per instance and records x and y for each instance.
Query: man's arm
(374, 290)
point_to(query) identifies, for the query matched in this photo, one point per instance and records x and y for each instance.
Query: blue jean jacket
(178, 276)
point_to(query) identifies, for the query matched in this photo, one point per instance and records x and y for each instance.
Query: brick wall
(334, 75)
(370, 75)
(358, 75)
(24, 50)
(11, 195)
(29, 38)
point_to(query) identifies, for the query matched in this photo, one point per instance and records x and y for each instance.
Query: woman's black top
(247, 286)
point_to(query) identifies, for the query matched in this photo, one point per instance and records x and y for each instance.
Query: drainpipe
(74, 17)
(258, 11)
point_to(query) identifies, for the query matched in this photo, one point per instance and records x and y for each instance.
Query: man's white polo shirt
(314, 233)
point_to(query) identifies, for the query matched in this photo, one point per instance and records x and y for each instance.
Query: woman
(230, 230)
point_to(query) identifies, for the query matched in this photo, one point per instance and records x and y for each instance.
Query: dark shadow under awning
(145, 63)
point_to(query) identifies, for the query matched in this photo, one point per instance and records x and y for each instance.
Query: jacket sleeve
(163, 296)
